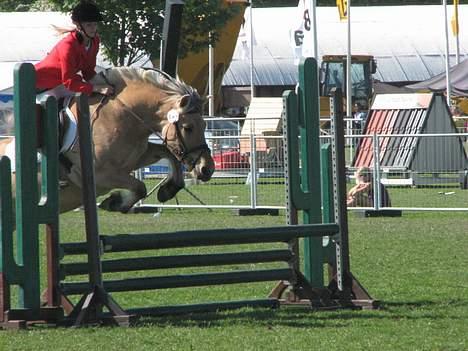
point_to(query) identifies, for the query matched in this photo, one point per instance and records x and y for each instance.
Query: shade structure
(458, 81)
(400, 121)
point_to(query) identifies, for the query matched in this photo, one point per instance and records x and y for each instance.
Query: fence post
(376, 166)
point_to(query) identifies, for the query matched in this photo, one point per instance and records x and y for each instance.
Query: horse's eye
(187, 128)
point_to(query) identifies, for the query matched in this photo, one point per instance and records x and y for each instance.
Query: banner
(247, 37)
(301, 36)
(342, 8)
(454, 21)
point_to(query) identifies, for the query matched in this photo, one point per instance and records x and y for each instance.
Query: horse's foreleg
(130, 191)
(174, 180)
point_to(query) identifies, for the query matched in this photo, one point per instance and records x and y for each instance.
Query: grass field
(270, 192)
(416, 265)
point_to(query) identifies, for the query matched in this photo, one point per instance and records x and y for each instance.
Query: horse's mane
(173, 88)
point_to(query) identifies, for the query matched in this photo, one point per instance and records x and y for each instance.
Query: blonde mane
(173, 88)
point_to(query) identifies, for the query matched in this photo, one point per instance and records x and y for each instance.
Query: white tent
(27, 37)
(408, 42)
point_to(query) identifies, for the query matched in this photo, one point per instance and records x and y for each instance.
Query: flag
(301, 33)
(246, 37)
(454, 21)
(342, 8)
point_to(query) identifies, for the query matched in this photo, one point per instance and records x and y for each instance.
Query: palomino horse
(145, 102)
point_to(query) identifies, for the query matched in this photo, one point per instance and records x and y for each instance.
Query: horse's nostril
(205, 171)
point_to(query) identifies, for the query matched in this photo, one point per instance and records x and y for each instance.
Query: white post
(253, 141)
(210, 79)
(313, 17)
(349, 92)
(252, 84)
(456, 29)
(447, 53)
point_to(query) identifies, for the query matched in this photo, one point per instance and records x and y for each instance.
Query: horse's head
(184, 135)
(167, 107)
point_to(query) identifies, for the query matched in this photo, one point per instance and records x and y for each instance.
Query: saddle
(67, 122)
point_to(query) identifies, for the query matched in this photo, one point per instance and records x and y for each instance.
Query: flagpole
(349, 95)
(210, 78)
(252, 84)
(313, 7)
(456, 30)
(447, 53)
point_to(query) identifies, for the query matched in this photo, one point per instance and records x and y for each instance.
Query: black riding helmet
(86, 12)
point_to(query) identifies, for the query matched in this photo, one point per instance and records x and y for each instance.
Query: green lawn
(271, 192)
(416, 265)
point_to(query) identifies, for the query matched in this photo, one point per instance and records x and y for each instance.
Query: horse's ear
(184, 102)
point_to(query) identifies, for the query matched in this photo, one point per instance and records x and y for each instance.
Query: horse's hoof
(168, 190)
(112, 203)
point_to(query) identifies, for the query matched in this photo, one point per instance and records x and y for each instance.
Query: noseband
(180, 151)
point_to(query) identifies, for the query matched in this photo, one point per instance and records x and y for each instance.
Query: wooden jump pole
(90, 307)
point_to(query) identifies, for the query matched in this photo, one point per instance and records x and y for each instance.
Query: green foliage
(274, 3)
(133, 29)
(129, 30)
(200, 18)
(12, 5)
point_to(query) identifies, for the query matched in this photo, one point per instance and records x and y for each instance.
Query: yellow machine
(194, 68)
(333, 75)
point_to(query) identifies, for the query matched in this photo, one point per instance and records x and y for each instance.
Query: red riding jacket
(62, 64)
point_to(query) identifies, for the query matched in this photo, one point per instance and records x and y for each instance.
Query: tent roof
(408, 42)
(458, 81)
(28, 37)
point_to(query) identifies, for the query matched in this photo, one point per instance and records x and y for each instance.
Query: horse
(145, 102)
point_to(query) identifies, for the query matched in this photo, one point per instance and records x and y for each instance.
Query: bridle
(179, 150)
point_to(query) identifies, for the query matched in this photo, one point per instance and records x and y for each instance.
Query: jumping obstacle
(325, 242)
(35, 204)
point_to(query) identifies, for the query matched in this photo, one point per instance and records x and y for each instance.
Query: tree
(12, 5)
(133, 29)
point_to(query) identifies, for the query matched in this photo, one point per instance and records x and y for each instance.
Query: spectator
(362, 194)
(359, 117)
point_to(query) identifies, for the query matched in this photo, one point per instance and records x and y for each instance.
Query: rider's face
(90, 28)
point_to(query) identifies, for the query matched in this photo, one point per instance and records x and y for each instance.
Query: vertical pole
(313, 16)
(171, 36)
(49, 206)
(291, 210)
(89, 196)
(252, 83)
(349, 87)
(456, 30)
(376, 171)
(27, 185)
(7, 262)
(339, 179)
(447, 55)
(210, 79)
(310, 156)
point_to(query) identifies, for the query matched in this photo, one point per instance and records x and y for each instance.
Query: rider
(58, 72)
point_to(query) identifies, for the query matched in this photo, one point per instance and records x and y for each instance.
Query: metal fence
(418, 171)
